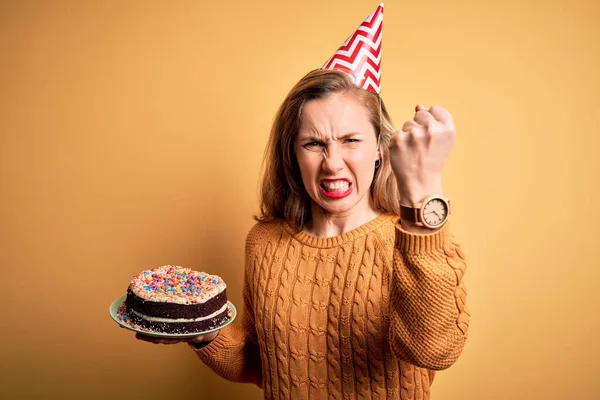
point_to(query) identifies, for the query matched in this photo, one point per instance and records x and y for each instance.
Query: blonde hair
(282, 193)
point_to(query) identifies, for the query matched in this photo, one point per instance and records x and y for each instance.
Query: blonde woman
(353, 281)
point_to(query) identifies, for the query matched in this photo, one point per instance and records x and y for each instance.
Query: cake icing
(175, 284)
(178, 320)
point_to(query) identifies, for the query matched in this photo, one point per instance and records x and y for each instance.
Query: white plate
(114, 313)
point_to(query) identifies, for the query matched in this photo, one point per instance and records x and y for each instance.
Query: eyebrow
(318, 139)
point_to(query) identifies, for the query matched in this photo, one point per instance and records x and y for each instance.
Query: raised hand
(418, 153)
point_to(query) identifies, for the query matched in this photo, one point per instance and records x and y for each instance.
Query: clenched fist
(418, 153)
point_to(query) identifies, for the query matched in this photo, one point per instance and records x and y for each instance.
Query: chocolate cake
(174, 299)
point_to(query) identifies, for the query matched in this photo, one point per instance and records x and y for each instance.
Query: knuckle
(448, 132)
(411, 139)
(395, 142)
(397, 137)
(419, 133)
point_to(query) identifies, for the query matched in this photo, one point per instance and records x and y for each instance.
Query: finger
(409, 136)
(155, 340)
(198, 339)
(441, 114)
(146, 338)
(205, 338)
(420, 107)
(424, 118)
(211, 336)
(408, 125)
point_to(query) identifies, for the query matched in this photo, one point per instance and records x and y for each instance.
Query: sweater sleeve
(429, 318)
(234, 354)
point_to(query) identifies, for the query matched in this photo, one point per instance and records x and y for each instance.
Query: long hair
(282, 193)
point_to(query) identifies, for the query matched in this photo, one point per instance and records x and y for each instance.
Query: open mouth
(335, 189)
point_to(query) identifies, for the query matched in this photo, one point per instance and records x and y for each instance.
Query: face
(336, 149)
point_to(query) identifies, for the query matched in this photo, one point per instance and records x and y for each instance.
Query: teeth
(336, 186)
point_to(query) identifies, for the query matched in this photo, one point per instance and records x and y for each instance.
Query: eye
(313, 144)
(352, 140)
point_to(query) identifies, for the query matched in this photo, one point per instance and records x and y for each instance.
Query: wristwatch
(432, 213)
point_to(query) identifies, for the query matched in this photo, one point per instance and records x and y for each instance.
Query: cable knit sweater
(368, 314)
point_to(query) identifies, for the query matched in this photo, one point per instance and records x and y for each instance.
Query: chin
(339, 206)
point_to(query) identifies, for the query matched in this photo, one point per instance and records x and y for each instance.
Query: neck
(326, 224)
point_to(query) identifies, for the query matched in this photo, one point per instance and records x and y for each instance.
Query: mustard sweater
(368, 314)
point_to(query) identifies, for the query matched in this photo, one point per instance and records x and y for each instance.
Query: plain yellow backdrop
(132, 134)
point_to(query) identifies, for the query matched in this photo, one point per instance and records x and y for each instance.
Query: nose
(332, 160)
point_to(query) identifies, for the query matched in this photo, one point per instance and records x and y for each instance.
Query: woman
(341, 298)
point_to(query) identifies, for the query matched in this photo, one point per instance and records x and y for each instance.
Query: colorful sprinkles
(129, 321)
(176, 284)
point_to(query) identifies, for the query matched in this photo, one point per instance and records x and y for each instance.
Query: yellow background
(131, 135)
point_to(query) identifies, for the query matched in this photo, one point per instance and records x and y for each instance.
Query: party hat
(360, 55)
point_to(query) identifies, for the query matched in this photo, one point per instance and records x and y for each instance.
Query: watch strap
(410, 214)
(413, 214)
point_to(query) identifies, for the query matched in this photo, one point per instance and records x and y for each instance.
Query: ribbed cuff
(416, 243)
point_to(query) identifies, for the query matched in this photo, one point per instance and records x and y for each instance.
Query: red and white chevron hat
(360, 55)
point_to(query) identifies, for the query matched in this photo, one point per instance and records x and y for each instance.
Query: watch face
(435, 212)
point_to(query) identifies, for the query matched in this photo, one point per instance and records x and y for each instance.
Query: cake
(173, 299)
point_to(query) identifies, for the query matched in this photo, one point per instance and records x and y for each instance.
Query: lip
(336, 195)
(336, 179)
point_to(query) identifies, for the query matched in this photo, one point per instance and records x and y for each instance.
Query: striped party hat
(360, 55)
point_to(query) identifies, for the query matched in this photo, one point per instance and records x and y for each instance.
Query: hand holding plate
(157, 340)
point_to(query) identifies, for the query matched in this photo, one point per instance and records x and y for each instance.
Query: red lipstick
(335, 194)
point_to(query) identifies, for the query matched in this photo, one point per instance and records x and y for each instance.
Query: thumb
(205, 338)
(198, 339)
